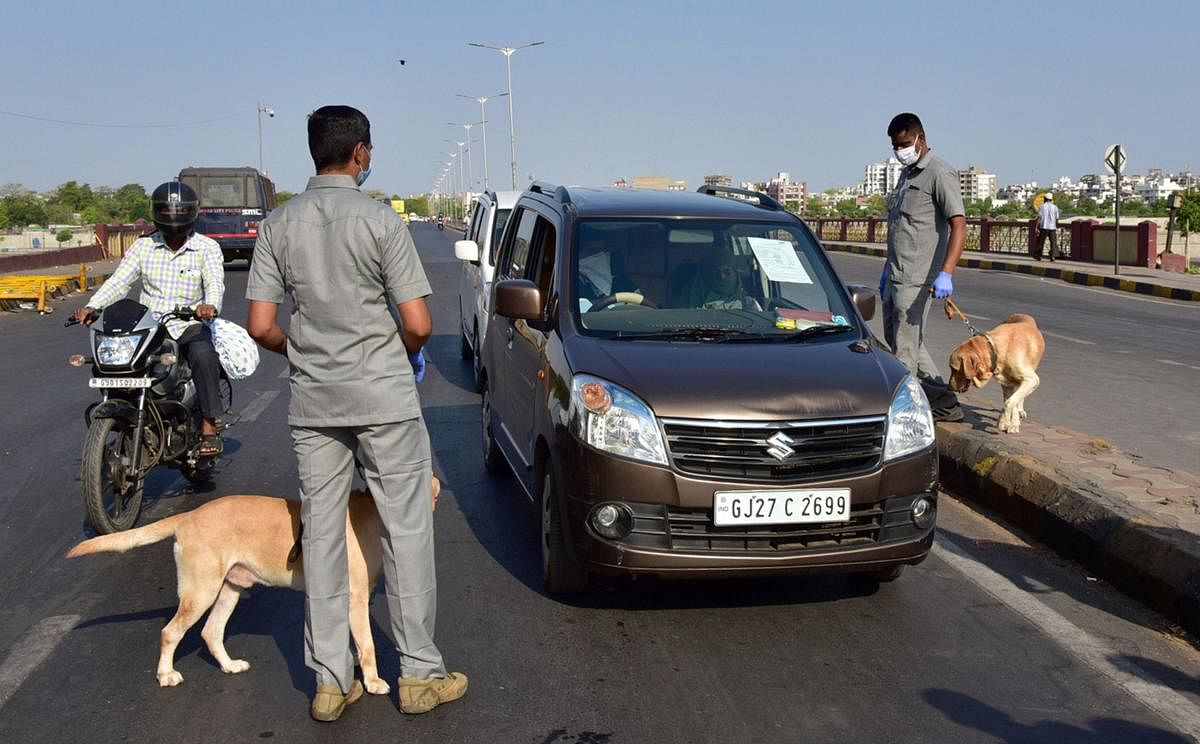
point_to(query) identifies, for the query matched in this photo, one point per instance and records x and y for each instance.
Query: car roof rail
(549, 189)
(745, 194)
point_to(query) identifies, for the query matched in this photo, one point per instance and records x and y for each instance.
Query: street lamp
(470, 165)
(512, 136)
(483, 120)
(270, 112)
(461, 177)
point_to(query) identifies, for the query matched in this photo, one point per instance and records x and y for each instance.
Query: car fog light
(922, 512)
(613, 521)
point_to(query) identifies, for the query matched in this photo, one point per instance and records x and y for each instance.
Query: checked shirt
(192, 276)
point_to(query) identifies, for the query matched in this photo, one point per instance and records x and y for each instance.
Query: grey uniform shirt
(919, 213)
(344, 259)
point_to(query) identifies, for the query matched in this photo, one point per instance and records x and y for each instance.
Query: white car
(477, 251)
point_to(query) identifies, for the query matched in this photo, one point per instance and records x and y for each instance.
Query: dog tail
(120, 542)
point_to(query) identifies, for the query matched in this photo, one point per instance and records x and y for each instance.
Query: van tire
(561, 573)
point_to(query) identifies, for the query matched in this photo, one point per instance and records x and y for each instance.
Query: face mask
(908, 155)
(362, 176)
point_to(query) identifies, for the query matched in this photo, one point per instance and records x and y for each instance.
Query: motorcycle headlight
(116, 351)
(611, 419)
(910, 421)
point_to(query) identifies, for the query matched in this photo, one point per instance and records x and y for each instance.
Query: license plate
(781, 507)
(120, 382)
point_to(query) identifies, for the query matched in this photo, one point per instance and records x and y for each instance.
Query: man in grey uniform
(926, 232)
(343, 257)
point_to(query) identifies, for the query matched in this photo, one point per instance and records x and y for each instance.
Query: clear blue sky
(1026, 90)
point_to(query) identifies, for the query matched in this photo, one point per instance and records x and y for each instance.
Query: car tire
(561, 573)
(477, 362)
(464, 343)
(492, 460)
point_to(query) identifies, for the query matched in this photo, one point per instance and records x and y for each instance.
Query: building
(621, 183)
(1162, 188)
(881, 178)
(718, 179)
(651, 182)
(783, 189)
(677, 186)
(977, 184)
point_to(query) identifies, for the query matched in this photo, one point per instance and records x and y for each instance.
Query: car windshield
(696, 279)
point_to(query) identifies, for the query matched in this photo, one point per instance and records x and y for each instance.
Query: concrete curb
(1134, 550)
(1073, 276)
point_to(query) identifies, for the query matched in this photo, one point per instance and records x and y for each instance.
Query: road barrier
(39, 288)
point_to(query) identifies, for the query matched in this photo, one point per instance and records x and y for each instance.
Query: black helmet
(174, 207)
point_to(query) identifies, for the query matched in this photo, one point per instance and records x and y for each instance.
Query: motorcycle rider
(441, 220)
(177, 267)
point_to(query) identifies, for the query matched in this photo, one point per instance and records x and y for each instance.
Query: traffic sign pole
(1117, 206)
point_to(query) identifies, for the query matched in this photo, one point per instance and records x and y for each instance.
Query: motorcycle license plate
(734, 508)
(120, 382)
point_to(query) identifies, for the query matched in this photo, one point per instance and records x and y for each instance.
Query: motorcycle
(441, 222)
(148, 414)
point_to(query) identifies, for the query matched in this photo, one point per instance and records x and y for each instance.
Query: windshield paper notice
(779, 261)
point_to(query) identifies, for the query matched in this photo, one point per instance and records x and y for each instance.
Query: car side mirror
(519, 299)
(864, 300)
(466, 250)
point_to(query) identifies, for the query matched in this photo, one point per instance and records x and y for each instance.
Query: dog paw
(169, 679)
(1023, 414)
(236, 666)
(377, 686)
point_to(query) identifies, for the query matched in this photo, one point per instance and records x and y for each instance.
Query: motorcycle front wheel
(112, 492)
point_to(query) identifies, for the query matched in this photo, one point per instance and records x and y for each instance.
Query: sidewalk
(1166, 284)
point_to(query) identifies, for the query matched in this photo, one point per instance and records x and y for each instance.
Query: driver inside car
(597, 279)
(716, 285)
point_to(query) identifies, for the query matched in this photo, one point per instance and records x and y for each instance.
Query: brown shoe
(423, 695)
(330, 702)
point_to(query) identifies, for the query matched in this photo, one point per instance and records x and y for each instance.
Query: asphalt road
(1118, 366)
(988, 640)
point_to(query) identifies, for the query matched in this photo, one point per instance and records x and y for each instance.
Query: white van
(489, 215)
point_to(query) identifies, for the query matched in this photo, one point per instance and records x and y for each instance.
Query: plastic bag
(237, 351)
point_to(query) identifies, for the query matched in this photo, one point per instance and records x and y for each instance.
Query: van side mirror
(864, 300)
(519, 299)
(466, 250)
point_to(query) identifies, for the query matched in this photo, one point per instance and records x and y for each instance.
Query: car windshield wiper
(683, 332)
(801, 335)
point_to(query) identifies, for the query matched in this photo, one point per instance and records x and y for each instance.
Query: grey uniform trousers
(905, 308)
(396, 463)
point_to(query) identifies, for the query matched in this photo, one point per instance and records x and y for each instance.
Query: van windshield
(700, 279)
(226, 191)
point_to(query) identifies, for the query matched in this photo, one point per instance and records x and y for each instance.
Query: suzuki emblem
(780, 448)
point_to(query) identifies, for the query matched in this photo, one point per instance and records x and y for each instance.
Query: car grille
(803, 450)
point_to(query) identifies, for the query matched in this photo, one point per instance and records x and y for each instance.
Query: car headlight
(116, 351)
(910, 421)
(612, 419)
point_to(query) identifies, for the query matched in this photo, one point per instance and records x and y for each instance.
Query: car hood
(770, 381)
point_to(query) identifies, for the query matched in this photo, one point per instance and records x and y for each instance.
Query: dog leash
(952, 309)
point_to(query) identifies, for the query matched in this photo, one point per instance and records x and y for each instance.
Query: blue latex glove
(883, 280)
(417, 360)
(943, 286)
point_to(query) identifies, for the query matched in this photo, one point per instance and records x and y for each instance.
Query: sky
(1028, 91)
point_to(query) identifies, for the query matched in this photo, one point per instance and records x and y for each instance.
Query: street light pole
(512, 135)
(470, 164)
(271, 113)
(483, 121)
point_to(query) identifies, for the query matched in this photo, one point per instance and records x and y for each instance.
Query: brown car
(683, 386)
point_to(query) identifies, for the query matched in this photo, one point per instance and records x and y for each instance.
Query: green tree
(59, 214)
(94, 215)
(62, 236)
(847, 208)
(1187, 218)
(25, 209)
(792, 206)
(5, 220)
(815, 207)
(877, 206)
(1087, 207)
(283, 196)
(418, 205)
(75, 196)
(131, 203)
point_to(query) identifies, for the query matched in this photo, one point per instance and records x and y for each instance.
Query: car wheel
(477, 362)
(464, 344)
(491, 452)
(561, 573)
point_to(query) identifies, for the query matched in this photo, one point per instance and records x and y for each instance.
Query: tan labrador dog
(232, 543)
(1018, 347)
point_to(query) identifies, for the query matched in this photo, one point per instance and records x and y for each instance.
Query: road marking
(1175, 708)
(257, 406)
(31, 650)
(1068, 338)
(1174, 363)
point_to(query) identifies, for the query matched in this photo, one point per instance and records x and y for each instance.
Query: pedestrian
(177, 267)
(1047, 224)
(926, 232)
(347, 262)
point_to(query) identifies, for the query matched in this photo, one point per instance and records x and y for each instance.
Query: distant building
(718, 179)
(977, 184)
(620, 183)
(783, 189)
(677, 186)
(651, 182)
(881, 178)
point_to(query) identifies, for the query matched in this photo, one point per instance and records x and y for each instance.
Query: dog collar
(992, 351)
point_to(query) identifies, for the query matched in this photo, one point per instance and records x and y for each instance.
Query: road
(1118, 366)
(991, 639)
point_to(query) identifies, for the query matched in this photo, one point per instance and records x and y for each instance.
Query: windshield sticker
(840, 320)
(779, 261)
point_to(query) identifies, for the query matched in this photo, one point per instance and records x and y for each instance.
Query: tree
(131, 203)
(62, 236)
(1187, 220)
(283, 196)
(877, 205)
(792, 206)
(847, 208)
(73, 195)
(418, 205)
(815, 207)
(5, 221)
(25, 209)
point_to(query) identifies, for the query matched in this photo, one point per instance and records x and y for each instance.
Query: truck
(233, 201)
